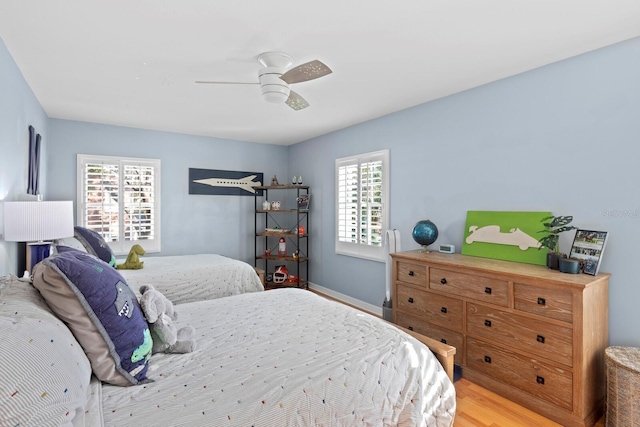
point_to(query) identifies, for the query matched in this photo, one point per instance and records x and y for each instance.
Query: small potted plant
(554, 225)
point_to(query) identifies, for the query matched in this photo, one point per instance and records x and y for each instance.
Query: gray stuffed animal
(160, 315)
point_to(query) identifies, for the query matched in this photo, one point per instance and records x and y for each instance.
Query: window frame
(359, 249)
(121, 246)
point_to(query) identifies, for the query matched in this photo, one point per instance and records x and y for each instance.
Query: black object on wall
(33, 185)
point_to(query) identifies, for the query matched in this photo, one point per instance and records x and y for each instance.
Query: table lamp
(36, 223)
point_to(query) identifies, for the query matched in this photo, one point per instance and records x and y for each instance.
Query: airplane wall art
(227, 183)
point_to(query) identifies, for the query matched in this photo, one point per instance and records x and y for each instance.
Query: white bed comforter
(188, 278)
(287, 358)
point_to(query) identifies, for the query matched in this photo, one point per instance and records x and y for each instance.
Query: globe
(425, 233)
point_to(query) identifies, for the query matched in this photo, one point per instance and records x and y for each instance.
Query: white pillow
(72, 242)
(45, 373)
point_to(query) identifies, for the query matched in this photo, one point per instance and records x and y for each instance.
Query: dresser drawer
(480, 288)
(412, 273)
(545, 382)
(531, 335)
(553, 303)
(438, 309)
(438, 333)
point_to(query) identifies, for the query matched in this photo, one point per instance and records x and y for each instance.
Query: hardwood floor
(479, 407)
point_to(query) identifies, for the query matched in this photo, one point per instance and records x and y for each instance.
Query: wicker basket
(623, 386)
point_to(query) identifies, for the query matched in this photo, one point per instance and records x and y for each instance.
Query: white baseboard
(347, 299)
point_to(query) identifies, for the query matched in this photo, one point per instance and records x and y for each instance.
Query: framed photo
(303, 201)
(588, 246)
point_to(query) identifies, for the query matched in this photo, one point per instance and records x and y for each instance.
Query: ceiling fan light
(276, 96)
(273, 88)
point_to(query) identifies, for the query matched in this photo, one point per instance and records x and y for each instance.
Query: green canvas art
(511, 236)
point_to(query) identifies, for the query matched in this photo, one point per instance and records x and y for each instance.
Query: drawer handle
(410, 300)
(542, 301)
(443, 310)
(443, 341)
(443, 281)
(539, 379)
(487, 359)
(540, 339)
(411, 273)
(487, 323)
(410, 328)
(487, 290)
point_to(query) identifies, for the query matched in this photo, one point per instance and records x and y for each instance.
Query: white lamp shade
(37, 221)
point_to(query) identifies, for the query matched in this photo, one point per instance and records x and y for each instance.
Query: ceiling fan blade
(296, 102)
(305, 72)
(226, 83)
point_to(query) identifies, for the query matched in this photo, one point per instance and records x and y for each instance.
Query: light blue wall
(190, 223)
(19, 108)
(563, 138)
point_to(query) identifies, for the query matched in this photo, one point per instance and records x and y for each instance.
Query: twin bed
(284, 357)
(188, 278)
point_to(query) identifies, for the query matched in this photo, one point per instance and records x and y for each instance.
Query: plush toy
(160, 315)
(133, 259)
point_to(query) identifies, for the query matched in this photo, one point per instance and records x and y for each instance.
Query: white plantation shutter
(119, 198)
(361, 203)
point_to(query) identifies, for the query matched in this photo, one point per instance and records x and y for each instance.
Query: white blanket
(187, 278)
(287, 358)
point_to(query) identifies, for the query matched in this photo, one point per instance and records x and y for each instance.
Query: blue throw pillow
(103, 313)
(95, 244)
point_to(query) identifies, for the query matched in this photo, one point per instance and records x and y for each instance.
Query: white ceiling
(134, 62)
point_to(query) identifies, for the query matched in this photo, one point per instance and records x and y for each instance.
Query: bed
(284, 357)
(188, 278)
(182, 278)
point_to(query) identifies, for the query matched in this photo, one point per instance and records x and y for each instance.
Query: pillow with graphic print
(60, 249)
(95, 244)
(101, 310)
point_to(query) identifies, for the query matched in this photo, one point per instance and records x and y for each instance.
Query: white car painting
(492, 234)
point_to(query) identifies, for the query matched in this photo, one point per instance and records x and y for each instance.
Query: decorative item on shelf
(554, 225)
(282, 247)
(296, 254)
(294, 180)
(269, 277)
(281, 274)
(303, 201)
(300, 180)
(588, 247)
(294, 279)
(301, 230)
(274, 230)
(275, 205)
(266, 205)
(274, 181)
(569, 265)
(425, 233)
(267, 252)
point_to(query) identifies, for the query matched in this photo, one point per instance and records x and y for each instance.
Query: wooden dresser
(533, 335)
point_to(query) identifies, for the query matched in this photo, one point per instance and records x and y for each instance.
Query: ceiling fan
(274, 78)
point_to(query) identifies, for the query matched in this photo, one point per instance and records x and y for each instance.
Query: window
(119, 198)
(362, 192)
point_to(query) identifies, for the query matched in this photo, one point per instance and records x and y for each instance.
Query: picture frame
(303, 201)
(588, 246)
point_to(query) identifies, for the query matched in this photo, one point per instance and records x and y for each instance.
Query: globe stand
(424, 249)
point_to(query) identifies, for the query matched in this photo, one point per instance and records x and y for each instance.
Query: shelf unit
(288, 220)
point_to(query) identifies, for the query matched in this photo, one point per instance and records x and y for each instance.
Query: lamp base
(36, 252)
